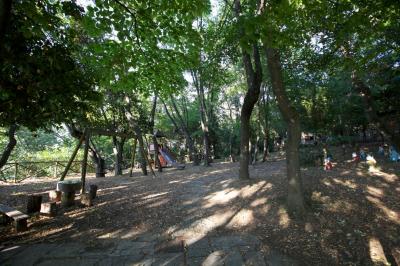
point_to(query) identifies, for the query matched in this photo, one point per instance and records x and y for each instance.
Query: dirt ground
(353, 213)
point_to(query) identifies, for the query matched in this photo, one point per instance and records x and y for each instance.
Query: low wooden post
(86, 199)
(33, 204)
(133, 157)
(16, 172)
(55, 195)
(147, 157)
(93, 191)
(68, 199)
(84, 161)
(48, 209)
(56, 170)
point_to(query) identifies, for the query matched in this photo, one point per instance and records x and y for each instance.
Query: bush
(311, 155)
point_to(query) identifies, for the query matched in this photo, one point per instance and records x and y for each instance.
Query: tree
(42, 82)
(254, 79)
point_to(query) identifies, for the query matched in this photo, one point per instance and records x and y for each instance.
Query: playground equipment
(167, 159)
(165, 155)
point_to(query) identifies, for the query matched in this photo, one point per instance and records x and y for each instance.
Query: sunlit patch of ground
(353, 213)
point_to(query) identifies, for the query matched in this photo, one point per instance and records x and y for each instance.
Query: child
(327, 163)
(363, 155)
(355, 157)
(327, 159)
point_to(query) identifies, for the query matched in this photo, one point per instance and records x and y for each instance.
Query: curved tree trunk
(253, 78)
(10, 146)
(295, 197)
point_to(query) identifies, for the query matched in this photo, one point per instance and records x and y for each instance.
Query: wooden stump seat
(20, 219)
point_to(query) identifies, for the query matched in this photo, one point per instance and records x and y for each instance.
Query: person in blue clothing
(363, 155)
(393, 154)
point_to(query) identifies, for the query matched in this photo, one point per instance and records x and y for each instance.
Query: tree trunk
(253, 78)
(133, 157)
(84, 161)
(98, 161)
(372, 114)
(255, 151)
(10, 146)
(295, 197)
(203, 116)
(263, 106)
(139, 136)
(118, 152)
(152, 132)
(184, 131)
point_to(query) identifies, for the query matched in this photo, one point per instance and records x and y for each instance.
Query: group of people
(364, 155)
(393, 154)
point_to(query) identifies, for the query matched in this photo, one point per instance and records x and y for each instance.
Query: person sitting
(363, 155)
(328, 164)
(355, 157)
(393, 154)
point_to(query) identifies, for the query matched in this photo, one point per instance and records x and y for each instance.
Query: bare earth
(353, 215)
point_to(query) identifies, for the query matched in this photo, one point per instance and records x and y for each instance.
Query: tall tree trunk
(96, 158)
(199, 84)
(84, 161)
(118, 152)
(10, 145)
(153, 133)
(372, 114)
(263, 106)
(231, 135)
(255, 151)
(184, 131)
(253, 78)
(139, 136)
(133, 157)
(295, 197)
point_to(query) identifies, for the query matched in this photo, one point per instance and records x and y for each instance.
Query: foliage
(42, 81)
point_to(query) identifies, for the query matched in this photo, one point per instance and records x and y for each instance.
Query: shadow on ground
(353, 216)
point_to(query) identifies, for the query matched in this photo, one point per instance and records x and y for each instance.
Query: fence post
(56, 170)
(16, 172)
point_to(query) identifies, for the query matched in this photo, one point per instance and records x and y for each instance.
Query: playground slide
(170, 159)
(167, 157)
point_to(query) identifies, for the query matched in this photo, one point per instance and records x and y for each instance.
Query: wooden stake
(16, 173)
(133, 157)
(64, 174)
(147, 157)
(84, 161)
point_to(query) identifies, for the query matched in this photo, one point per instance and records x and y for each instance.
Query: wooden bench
(20, 219)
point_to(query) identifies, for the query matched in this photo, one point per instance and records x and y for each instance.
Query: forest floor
(353, 213)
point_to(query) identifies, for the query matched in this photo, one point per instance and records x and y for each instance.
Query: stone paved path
(207, 251)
